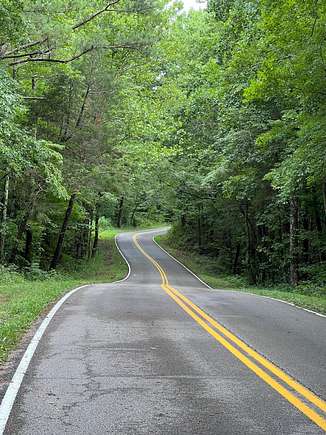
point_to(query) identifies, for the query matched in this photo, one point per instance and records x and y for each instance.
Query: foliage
(250, 188)
(65, 158)
(140, 113)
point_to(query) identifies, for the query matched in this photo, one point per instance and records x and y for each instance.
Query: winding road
(160, 353)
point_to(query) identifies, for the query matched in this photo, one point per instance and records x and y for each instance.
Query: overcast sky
(193, 4)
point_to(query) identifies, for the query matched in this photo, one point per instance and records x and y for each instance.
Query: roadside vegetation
(71, 130)
(123, 113)
(306, 295)
(25, 296)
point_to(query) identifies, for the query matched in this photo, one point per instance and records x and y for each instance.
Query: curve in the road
(208, 323)
(83, 378)
(249, 293)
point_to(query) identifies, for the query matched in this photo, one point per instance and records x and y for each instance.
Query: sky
(193, 4)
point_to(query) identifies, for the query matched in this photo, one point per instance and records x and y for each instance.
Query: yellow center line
(190, 308)
(320, 403)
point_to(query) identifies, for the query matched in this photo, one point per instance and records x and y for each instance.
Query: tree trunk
(236, 259)
(22, 226)
(58, 249)
(120, 209)
(78, 244)
(306, 241)
(251, 246)
(84, 239)
(317, 215)
(89, 234)
(132, 218)
(324, 196)
(28, 254)
(199, 228)
(95, 243)
(21, 230)
(81, 113)
(4, 219)
(294, 227)
(64, 136)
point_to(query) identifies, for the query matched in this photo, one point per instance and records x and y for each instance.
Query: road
(160, 353)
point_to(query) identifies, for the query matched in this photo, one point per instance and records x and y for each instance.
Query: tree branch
(131, 11)
(42, 59)
(11, 54)
(94, 15)
(34, 98)
(82, 109)
(23, 47)
(32, 53)
(77, 56)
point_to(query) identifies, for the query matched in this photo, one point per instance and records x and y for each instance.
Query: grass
(23, 300)
(205, 268)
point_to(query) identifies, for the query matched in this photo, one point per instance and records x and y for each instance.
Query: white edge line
(16, 381)
(125, 259)
(239, 291)
(283, 302)
(181, 264)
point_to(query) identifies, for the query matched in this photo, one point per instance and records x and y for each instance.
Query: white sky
(193, 4)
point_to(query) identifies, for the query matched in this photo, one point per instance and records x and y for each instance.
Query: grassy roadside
(23, 300)
(205, 268)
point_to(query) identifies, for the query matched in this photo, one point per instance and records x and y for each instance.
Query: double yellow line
(249, 357)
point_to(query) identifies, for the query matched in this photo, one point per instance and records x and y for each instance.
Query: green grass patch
(304, 295)
(106, 266)
(23, 300)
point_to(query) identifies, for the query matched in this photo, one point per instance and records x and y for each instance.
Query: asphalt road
(138, 357)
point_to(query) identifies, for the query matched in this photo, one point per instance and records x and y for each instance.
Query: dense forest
(133, 111)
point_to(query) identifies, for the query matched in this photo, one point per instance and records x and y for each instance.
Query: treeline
(133, 111)
(66, 156)
(246, 85)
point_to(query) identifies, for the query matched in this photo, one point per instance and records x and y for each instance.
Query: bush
(315, 273)
(310, 289)
(105, 223)
(34, 273)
